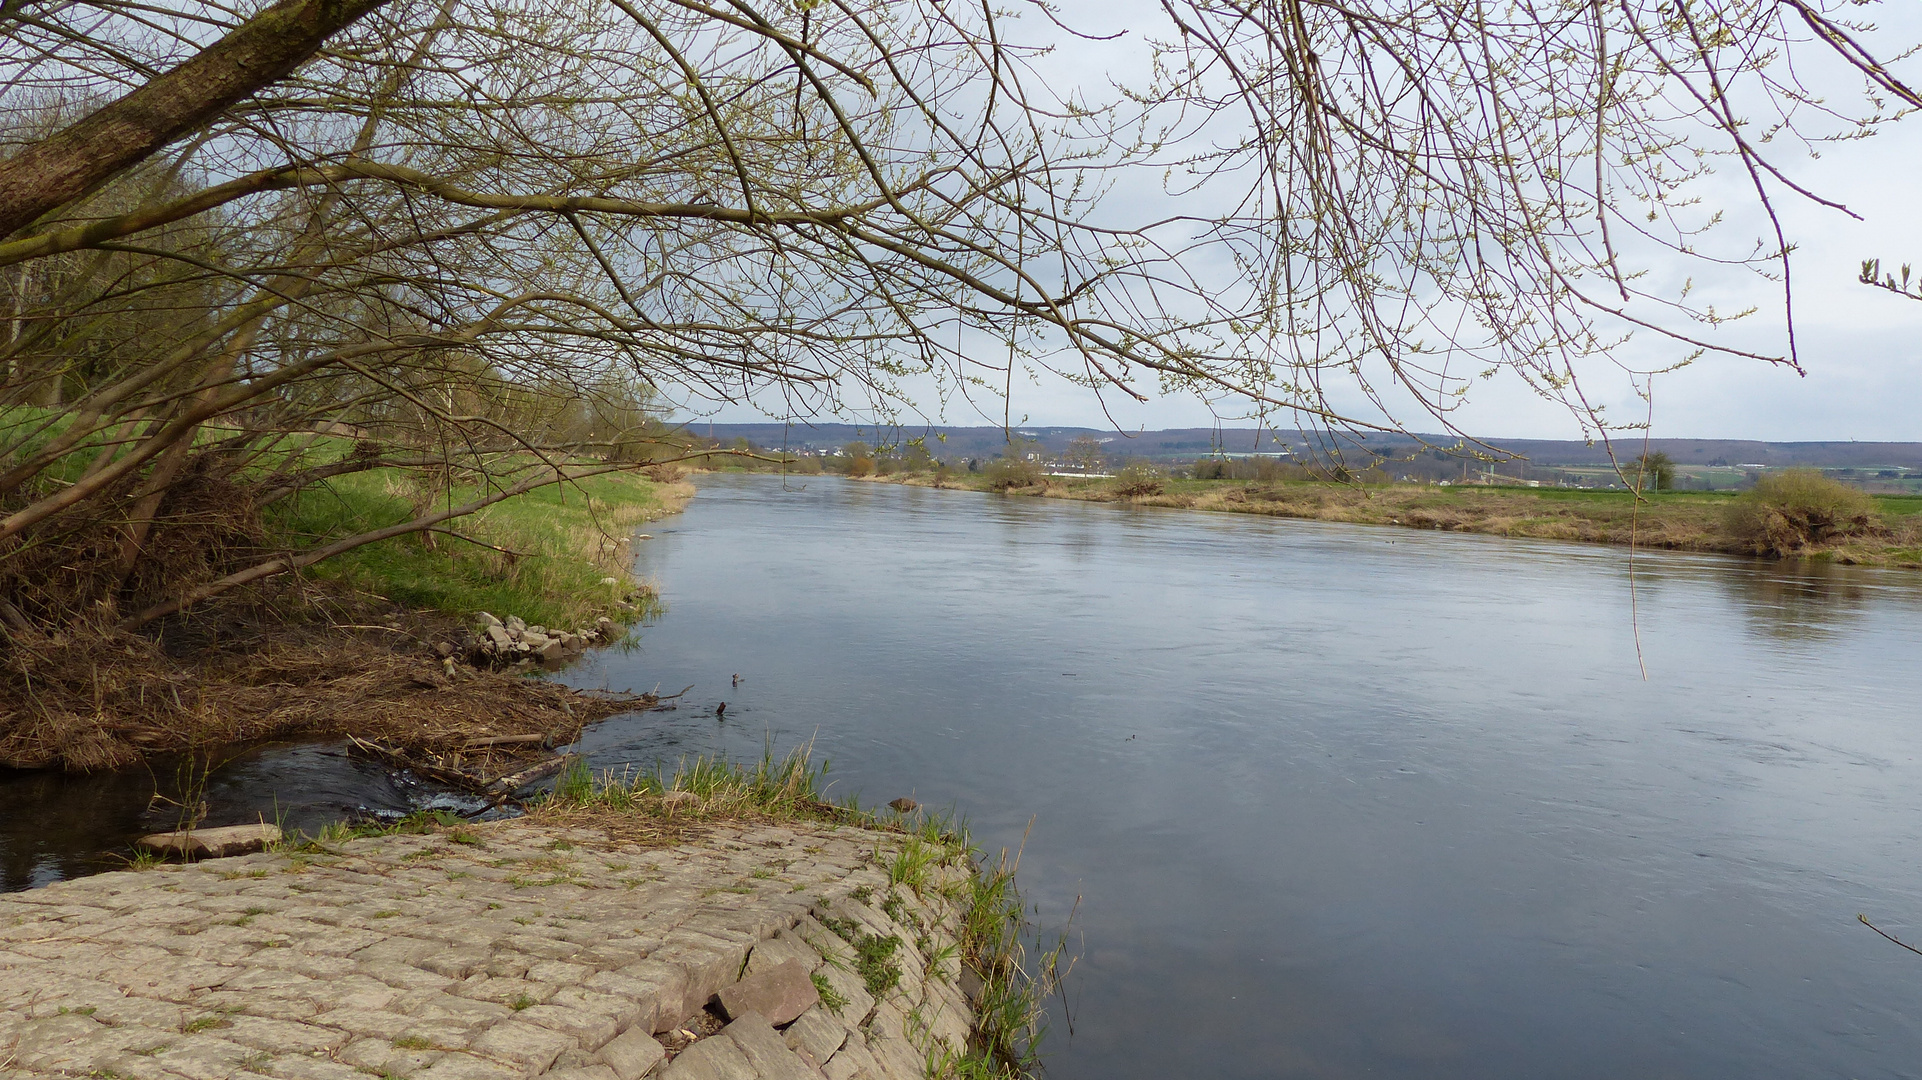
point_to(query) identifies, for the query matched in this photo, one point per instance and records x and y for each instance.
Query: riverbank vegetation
(369, 644)
(1794, 513)
(559, 555)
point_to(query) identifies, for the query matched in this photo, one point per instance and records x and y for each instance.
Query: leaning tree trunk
(61, 168)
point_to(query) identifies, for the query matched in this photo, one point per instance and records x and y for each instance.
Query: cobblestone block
(282, 1036)
(633, 1054)
(589, 1030)
(469, 1067)
(713, 1058)
(817, 1033)
(765, 1051)
(522, 1043)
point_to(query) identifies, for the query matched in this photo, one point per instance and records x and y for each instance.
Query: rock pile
(514, 641)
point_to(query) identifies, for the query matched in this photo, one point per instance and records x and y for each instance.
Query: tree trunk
(262, 50)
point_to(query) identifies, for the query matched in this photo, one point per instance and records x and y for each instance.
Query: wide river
(1339, 801)
(1323, 801)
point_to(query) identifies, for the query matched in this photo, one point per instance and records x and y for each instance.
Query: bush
(1796, 509)
(1137, 480)
(1012, 471)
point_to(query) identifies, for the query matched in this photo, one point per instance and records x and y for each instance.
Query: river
(1345, 801)
(1323, 800)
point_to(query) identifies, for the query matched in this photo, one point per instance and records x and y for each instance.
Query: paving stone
(204, 1057)
(212, 843)
(525, 1044)
(589, 1030)
(456, 963)
(765, 1051)
(817, 1033)
(708, 963)
(374, 1023)
(459, 1009)
(282, 1036)
(633, 1054)
(852, 990)
(854, 1062)
(384, 1058)
(557, 971)
(780, 993)
(712, 1058)
(409, 956)
(469, 1067)
(350, 992)
(505, 991)
(584, 1072)
(782, 947)
(302, 1067)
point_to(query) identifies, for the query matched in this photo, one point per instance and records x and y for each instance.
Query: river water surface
(1333, 801)
(1343, 801)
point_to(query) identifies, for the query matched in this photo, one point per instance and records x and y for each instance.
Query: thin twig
(1864, 920)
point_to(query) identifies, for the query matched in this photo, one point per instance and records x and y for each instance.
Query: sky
(1861, 347)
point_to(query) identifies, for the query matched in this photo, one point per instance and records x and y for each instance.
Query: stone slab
(780, 994)
(219, 843)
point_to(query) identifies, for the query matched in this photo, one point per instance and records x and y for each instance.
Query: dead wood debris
(103, 699)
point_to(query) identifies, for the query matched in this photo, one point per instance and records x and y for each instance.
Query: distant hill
(1181, 444)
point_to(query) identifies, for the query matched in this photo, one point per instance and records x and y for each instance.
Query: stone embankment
(495, 952)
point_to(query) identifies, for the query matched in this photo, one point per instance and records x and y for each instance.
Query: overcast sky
(1862, 347)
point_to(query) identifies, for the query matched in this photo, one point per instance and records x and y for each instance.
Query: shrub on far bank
(1796, 509)
(1012, 471)
(1138, 479)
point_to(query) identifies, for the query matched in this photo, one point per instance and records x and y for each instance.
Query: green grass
(829, 996)
(556, 546)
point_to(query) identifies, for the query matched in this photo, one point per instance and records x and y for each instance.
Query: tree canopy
(489, 235)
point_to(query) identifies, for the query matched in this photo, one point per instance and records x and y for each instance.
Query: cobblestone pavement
(508, 951)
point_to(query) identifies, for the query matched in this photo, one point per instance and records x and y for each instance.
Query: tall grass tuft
(788, 787)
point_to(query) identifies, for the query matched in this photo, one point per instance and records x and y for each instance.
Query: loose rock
(905, 805)
(781, 993)
(212, 843)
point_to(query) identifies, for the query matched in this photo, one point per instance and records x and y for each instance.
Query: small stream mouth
(55, 826)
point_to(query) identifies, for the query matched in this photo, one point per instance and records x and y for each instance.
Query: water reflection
(1805, 601)
(55, 826)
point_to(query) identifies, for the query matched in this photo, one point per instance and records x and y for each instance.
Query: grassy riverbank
(1682, 521)
(358, 644)
(544, 556)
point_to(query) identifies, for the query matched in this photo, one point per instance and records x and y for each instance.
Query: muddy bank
(406, 679)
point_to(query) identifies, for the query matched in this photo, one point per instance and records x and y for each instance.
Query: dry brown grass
(95, 700)
(1669, 521)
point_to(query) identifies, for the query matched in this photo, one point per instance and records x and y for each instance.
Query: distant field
(1677, 520)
